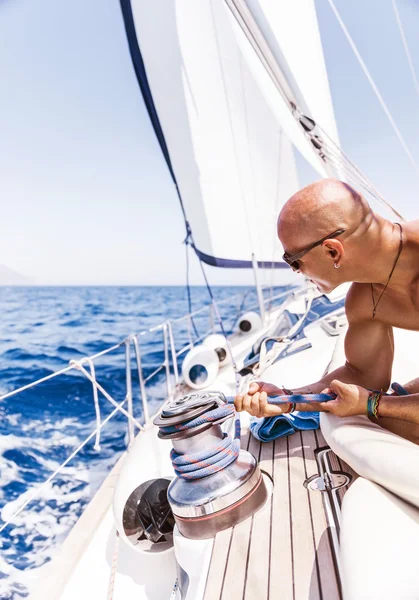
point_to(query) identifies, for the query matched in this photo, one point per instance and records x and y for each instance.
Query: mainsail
(226, 133)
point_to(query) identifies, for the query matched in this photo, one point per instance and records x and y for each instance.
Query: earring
(336, 265)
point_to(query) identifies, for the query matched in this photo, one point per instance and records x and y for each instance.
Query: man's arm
(405, 408)
(398, 414)
(412, 386)
(369, 350)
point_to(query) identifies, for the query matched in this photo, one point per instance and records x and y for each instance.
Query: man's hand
(351, 399)
(255, 402)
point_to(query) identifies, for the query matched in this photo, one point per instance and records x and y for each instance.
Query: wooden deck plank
(233, 588)
(258, 565)
(236, 569)
(221, 551)
(284, 550)
(306, 581)
(320, 439)
(281, 565)
(326, 566)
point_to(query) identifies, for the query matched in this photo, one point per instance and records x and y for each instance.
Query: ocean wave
(44, 328)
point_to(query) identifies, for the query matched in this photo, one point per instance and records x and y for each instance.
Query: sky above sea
(86, 195)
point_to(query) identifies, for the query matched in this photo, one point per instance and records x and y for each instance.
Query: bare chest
(396, 309)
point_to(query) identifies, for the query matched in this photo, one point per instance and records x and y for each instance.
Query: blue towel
(267, 429)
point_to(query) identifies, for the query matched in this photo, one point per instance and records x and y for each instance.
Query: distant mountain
(10, 277)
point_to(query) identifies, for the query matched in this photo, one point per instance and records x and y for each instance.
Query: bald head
(319, 209)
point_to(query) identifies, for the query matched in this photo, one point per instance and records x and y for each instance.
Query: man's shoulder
(412, 227)
(358, 303)
(411, 230)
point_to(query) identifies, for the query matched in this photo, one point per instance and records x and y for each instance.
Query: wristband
(372, 404)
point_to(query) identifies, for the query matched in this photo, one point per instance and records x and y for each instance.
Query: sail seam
(236, 157)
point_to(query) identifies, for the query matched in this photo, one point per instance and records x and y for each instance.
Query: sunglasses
(293, 260)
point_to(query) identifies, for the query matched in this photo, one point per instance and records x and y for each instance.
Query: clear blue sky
(86, 197)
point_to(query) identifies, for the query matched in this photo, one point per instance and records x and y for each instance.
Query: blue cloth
(267, 429)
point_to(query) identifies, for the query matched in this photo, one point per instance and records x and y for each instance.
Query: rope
(310, 398)
(399, 390)
(215, 458)
(67, 460)
(374, 86)
(295, 399)
(62, 371)
(267, 358)
(113, 567)
(96, 401)
(78, 365)
(210, 416)
(188, 287)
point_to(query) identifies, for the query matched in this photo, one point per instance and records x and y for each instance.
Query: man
(331, 235)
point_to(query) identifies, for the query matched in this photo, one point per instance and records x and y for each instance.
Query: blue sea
(43, 328)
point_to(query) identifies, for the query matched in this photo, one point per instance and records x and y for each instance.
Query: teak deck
(284, 551)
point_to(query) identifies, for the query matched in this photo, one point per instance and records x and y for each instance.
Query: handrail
(67, 460)
(170, 362)
(204, 308)
(144, 332)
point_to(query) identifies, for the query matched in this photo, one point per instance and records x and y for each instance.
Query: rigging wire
(374, 86)
(350, 174)
(277, 205)
(220, 321)
(188, 286)
(251, 31)
(406, 47)
(334, 153)
(251, 166)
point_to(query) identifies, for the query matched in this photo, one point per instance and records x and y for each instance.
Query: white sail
(229, 149)
(287, 47)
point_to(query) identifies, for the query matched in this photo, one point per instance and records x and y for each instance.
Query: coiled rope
(215, 458)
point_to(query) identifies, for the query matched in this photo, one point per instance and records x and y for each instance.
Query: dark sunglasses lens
(294, 264)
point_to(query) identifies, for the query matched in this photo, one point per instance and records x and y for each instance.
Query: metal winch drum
(207, 504)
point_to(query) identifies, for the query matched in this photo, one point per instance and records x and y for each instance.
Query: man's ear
(334, 249)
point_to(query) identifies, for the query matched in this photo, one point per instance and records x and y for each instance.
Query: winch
(217, 484)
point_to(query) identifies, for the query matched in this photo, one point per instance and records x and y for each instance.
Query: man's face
(316, 265)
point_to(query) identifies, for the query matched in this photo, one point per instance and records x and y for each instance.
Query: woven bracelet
(372, 404)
